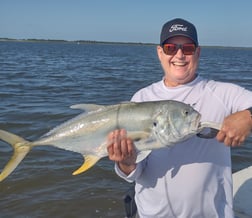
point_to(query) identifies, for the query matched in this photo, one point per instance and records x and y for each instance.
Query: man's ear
(159, 51)
(198, 50)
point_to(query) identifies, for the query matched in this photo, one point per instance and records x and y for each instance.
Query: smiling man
(193, 178)
(178, 53)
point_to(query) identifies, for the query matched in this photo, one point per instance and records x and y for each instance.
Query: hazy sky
(219, 22)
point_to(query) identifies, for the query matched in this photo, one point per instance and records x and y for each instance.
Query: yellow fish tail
(20, 146)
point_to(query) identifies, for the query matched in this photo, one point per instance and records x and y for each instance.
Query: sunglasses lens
(188, 49)
(171, 49)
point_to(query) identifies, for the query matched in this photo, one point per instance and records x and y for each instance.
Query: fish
(152, 125)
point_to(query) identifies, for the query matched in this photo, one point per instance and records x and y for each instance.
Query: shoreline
(103, 42)
(74, 42)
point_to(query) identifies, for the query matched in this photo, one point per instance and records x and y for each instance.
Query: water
(39, 81)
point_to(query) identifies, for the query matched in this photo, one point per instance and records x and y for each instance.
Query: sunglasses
(187, 49)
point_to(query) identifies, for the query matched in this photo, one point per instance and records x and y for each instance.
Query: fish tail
(20, 146)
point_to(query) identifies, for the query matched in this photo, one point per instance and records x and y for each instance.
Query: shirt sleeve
(234, 97)
(133, 175)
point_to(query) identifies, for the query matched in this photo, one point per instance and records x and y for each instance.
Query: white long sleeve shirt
(192, 178)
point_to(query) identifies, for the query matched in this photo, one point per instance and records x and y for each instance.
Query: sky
(218, 22)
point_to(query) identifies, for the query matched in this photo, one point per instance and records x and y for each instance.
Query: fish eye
(155, 124)
(186, 112)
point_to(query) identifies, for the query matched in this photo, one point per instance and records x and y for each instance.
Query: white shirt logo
(177, 27)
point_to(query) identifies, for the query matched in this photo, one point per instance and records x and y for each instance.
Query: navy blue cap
(178, 27)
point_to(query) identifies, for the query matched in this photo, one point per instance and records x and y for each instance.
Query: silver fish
(150, 124)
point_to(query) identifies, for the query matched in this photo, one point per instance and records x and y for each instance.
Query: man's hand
(235, 128)
(121, 149)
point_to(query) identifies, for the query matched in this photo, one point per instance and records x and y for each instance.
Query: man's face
(179, 68)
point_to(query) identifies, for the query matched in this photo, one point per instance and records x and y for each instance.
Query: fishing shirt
(192, 178)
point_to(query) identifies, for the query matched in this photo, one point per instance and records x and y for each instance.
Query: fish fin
(127, 102)
(141, 155)
(87, 107)
(21, 148)
(138, 135)
(90, 160)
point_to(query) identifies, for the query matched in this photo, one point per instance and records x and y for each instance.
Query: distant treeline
(103, 42)
(77, 41)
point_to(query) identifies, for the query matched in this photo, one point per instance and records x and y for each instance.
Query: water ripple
(39, 81)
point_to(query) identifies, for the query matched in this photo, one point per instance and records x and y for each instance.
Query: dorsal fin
(88, 107)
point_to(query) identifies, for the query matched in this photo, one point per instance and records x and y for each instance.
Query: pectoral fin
(89, 161)
(141, 155)
(138, 135)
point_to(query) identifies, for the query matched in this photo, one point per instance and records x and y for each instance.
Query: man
(193, 178)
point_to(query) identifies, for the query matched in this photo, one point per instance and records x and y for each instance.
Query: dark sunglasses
(187, 49)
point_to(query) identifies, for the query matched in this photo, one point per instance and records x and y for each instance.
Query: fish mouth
(198, 124)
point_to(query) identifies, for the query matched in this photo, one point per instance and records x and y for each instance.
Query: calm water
(38, 83)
